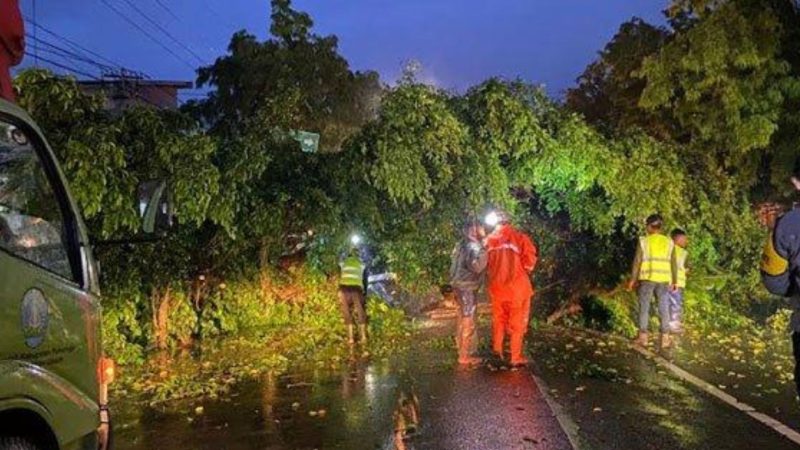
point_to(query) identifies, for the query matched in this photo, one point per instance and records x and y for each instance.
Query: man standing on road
(351, 296)
(512, 257)
(780, 266)
(653, 274)
(466, 275)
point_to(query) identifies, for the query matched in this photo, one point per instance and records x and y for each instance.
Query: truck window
(32, 226)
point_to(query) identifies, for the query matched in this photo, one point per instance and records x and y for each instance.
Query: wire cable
(147, 34)
(163, 30)
(65, 67)
(66, 53)
(168, 10)
(77, 47)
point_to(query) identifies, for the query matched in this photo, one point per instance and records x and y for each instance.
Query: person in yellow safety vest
(352, 296)
(681, 241)
(653, 275)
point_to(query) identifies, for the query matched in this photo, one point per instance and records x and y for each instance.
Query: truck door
(47, 317)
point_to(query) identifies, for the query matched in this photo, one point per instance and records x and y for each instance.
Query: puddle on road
(366, 405)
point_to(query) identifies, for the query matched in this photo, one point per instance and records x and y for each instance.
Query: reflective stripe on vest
(680, 255)
(352, 273)
(656, 259)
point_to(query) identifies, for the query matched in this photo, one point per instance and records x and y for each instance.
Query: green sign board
(309, 142)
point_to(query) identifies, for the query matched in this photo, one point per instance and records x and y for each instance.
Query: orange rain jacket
(512, 257)
(12, 44)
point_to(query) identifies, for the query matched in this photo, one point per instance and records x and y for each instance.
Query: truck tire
(17, 443)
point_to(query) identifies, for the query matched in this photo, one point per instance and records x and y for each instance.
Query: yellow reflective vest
(352, 272)
(656, 265)
(680, 260)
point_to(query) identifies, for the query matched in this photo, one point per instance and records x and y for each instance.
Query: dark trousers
(796, 351)
(351, 303)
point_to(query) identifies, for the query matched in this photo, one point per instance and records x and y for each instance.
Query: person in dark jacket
(466, 277)
(780, 267)
(12, 44)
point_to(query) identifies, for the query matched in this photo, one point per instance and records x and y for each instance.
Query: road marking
(714, 391)
(708, 388)
(569, 427)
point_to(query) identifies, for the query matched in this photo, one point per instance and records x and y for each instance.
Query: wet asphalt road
(359, 408)
(615, 399)
(621, 400)
(485, 409)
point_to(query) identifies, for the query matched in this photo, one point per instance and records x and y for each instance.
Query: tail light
(106, 370)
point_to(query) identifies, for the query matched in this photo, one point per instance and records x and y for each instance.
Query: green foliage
(724, 83)
(105, 156)
(608, 91)
(611, 313)
(414, 145)
(694, 122)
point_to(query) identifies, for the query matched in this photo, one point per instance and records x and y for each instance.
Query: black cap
(654, 220)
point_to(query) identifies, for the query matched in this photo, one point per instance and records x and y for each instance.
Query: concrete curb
(707, 387)
(569, 427)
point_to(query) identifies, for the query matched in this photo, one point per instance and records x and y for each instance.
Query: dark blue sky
(458, 42)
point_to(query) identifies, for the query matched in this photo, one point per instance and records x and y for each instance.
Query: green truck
(53, 374)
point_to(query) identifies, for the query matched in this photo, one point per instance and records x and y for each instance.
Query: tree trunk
(161, 308)
(571, 308)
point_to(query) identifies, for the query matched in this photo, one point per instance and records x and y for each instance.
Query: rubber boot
(665, 341)
(517, 358)
(362, 331)
(498, 335)
(465, 340)
(641, 339)
(351, 334)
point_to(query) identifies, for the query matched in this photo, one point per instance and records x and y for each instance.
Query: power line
(130, 89)
(77, 47)
(56, 54)
(78, 54)
(66, 53)
(146, 33)
(163, 30)
(167, 9)
(35, 47)
(65, 67)
(213, 12)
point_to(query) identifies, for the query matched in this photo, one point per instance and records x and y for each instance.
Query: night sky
(458, 42)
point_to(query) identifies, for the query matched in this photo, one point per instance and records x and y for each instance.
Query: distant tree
(104, 158)
(608, 91)
(260, 92)
(724, 83)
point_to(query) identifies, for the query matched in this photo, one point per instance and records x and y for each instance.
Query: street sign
(309, 142)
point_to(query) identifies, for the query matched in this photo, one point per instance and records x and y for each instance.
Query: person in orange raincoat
(12, 44)
(512, 257)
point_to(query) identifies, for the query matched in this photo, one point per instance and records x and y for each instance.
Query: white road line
(707, 387)
(712, 390)
(569, 427)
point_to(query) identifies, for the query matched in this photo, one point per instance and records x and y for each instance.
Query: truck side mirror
(155, 206)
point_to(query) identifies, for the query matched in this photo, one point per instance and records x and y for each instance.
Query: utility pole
(35, 36)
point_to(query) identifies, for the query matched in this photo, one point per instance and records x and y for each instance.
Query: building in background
(122, 92)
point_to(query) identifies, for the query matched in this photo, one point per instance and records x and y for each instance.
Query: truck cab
(53, 375)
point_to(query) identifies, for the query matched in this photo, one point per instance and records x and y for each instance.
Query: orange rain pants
(512, 257)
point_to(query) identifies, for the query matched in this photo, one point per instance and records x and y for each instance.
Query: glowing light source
(355, 239)
(492, 219)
